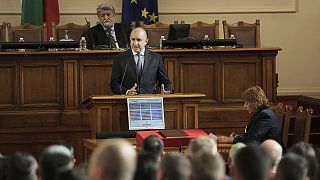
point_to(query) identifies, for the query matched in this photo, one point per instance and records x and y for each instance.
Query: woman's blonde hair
(255, 95)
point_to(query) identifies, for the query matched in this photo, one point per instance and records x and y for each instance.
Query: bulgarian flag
(37, 12)
(32, 12)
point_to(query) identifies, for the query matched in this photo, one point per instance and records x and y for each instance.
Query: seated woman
(263, 123)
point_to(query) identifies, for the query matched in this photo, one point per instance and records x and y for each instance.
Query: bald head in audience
(202, 144)
(174, 167)
(292, 167)
(114, 159)
(207, 166)
(53, 159)
(274, 149)
(153, 145)
(251, 163)
(22, 166)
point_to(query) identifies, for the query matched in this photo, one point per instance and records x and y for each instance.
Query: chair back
(245, 33)
(2, 32)
(284, 113)
(74, 31)
(302, 125)
(30, 33)
(155, 31)
(199, 29)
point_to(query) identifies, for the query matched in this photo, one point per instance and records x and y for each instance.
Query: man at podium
(139, 70)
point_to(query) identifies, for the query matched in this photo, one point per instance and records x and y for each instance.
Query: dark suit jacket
(153, 73)
(96, 36)
(264, 124)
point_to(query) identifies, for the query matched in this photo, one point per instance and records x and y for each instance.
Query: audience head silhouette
(113, 159)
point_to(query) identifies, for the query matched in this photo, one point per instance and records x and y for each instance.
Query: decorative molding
(307, 91)
(167, 7)
(230, 6)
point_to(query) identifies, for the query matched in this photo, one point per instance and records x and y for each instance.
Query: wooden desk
(110, 113)
(90, 144)
(41, 92)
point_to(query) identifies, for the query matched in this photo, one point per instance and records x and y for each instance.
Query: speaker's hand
(163, 91)
(133, 90)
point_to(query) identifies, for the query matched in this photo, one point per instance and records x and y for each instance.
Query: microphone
(125, 36)
(91, 36)
(124, 74)
(138, 84)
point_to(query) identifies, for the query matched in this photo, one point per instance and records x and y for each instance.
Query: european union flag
(134, 11)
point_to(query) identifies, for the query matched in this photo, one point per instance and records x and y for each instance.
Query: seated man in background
(107, 34)
(263, 124)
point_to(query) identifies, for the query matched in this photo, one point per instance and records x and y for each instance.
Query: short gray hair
(106, 7)
(202, 144)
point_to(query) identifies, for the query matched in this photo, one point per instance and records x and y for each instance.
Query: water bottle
(83, 44)
(161, 39)
(51, 40)
(206, 37)
(21, 50)
(232, 37)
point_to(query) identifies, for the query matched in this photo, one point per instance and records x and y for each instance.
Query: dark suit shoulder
(97, 27)
(268, 112)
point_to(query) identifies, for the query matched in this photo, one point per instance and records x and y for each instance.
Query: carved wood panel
(94, 78)
(8, 85)
(201, 77)
(41, 84)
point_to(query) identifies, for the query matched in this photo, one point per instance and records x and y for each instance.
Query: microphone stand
(124, 74)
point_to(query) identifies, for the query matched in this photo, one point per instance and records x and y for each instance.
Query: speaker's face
(138, 39)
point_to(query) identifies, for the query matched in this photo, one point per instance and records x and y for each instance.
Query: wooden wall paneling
(71, 81)
(8, 85)
(200, 76)
(238, 73)
(171, 113)
(94, 78)
(223, 119)
(173, 75)
(190, 117)
(41, 84)
(269, 81)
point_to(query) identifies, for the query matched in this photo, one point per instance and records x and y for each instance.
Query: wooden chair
(28, 32)
(199, 29)
(246, 34)
(284, 113)
(155, 31)
(302, 125)
(3, 32)
(74, 31)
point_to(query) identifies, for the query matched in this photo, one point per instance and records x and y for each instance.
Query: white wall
(290, 24)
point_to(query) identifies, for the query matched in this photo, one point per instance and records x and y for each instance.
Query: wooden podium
(109, 113)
